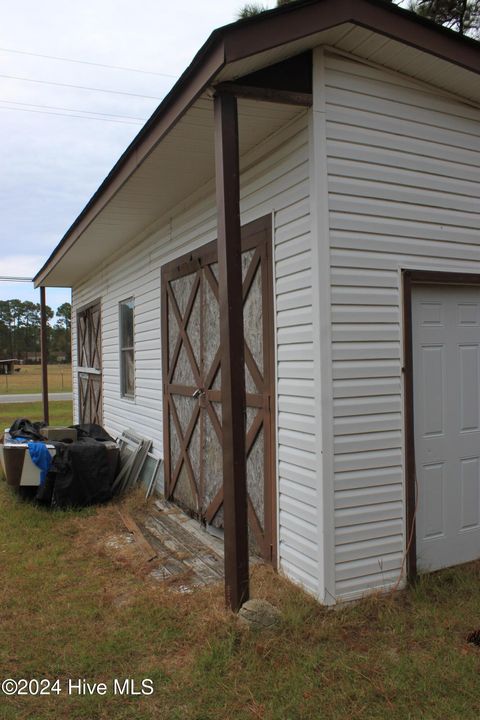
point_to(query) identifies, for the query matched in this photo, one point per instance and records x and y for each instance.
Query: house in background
(7, 367)
(359, 172)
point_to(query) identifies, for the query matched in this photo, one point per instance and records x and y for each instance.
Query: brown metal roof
(252, 36)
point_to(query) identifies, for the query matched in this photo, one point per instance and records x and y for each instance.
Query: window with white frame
(127, 352)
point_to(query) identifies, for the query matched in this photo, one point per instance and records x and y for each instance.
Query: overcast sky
(58, 143)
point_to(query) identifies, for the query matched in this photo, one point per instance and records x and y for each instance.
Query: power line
(87, 62)
(78, 110)
(7, 278)
(79, 87)
(79, 117)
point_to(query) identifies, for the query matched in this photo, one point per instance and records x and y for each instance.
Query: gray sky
(52, 164)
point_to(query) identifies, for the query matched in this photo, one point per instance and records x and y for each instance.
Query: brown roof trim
(308, 17)
(254, 35)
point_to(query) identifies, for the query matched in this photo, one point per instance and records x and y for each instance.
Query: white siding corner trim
(322, 336)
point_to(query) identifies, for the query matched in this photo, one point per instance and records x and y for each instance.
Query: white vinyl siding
(276, 181)
(403, 192)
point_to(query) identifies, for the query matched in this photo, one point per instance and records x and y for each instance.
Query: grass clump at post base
(74, 608)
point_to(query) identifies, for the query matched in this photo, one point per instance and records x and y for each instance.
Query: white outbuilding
(347, 132)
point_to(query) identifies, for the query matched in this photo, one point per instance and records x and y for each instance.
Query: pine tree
(251, 9)
(460, 15)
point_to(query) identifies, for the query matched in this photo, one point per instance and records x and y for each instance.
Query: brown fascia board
(311, 16)
(257, 34)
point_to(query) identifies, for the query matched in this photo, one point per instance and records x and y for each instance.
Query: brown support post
(44, 354)
(232, 344)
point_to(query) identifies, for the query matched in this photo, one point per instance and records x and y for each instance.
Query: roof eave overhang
(237, 41)
(184, 93)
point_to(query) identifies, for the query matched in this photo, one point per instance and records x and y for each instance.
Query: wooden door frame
(178, 268)
(82, 309)
(411, 278)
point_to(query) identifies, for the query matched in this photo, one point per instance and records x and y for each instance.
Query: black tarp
(81, 472)
(80, 475)
(90, 431)
(23, 428)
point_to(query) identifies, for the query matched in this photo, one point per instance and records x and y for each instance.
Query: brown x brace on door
(89, 329)
(192, 385)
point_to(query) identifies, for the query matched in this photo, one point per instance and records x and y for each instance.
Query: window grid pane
(127, 357)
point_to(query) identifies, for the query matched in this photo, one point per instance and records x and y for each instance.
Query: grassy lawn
(71, 607)
(60, 412)
(29, 379)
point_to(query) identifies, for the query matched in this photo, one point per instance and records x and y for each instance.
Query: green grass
(28, 379)
(72, 609)
(60, 412)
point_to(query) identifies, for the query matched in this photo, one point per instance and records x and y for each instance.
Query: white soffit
(179, 166)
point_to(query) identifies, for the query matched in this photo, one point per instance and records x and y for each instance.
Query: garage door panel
(431, 313)
(470, 493)
(432, 362)
(432, 521)
(468, 362)
(468, 314)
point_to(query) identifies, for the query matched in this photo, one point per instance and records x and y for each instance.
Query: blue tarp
(41, 458)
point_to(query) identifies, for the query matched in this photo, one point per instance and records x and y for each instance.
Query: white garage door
(446, 381)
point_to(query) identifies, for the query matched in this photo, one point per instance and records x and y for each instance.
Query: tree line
(20, 331)
(463, 16)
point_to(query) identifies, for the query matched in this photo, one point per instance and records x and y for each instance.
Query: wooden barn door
(89, 333)
(192, 377)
